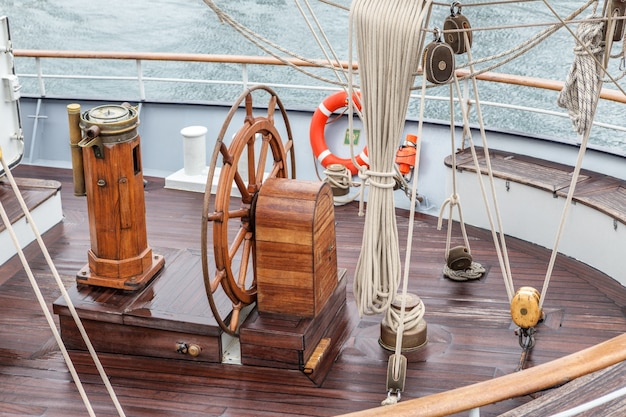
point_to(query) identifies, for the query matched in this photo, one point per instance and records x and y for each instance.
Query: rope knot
(379, 179)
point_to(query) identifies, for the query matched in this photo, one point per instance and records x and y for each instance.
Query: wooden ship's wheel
(256, 153)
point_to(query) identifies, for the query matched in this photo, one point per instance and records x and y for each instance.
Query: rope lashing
(580, 91)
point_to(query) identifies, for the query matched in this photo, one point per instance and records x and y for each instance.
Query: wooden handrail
(170, 56)
(607, 94)
(527, 381)
(542, 83)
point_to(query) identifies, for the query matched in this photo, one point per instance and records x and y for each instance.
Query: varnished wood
(470, 335)
(606, 93)
(257, 144)
(568, 396)
(120, 256)
(523, 382)
(296, 247)
(600, 192)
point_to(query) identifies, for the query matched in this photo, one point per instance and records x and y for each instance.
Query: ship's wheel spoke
(234, 247)
(262, 157)
(271, 108)
(239, 213)
(233, 234)
(245, 258)
(234, 317)
(216, 282)
(246, 197)
(252, 174)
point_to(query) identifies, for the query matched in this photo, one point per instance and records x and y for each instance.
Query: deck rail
(520, 383)
(244, 79)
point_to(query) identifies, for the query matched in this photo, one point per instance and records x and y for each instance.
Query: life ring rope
(317, 138)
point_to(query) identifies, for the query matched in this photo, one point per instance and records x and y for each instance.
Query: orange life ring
(316, 134)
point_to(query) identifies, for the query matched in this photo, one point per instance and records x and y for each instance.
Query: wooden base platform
(308, 344)
(173, 311)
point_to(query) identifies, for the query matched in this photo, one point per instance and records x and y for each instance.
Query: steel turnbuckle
(526, 342)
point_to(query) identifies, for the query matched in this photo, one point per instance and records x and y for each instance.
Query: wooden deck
(470, 334)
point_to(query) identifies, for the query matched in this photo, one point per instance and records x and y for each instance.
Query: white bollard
(194, 144)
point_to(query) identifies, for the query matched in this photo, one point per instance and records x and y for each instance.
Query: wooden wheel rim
(245, 139)
(229, 176)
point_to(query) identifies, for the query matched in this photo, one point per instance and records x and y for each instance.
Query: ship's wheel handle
(255, 153)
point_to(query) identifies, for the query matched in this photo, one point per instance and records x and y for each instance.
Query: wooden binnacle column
(119, 256)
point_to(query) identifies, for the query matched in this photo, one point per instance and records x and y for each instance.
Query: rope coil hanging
(388, 42)
(580, 92)
(387, 46)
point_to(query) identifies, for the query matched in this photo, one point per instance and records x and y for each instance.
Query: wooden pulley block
(457, 27)
(459, 258)
(525, 309)
(438, 61)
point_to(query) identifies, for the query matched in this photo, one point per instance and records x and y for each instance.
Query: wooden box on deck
(296, 247)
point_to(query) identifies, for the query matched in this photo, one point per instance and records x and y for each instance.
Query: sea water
(190, 26)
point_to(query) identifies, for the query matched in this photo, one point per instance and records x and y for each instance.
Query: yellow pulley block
(525, 309)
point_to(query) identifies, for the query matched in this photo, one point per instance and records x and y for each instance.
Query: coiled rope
(580, 92)
(388, 41)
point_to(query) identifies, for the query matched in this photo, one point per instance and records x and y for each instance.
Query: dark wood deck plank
(471, 338)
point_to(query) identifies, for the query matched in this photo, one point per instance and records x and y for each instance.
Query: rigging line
(521, 48)
(41, 299)
(44, 309)
(385, 102)
(490, 3)
(535, 24)
(588, 95)
(255, 38)
(319, 43)
(337, 5)
(454, 200)
(496, 206)
(417, 313)
(504, 265)
(603, 65)
(525, 46)
(330, 62)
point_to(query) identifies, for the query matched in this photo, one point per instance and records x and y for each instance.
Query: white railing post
(244, 76)
(142, 89)
(42, 86)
